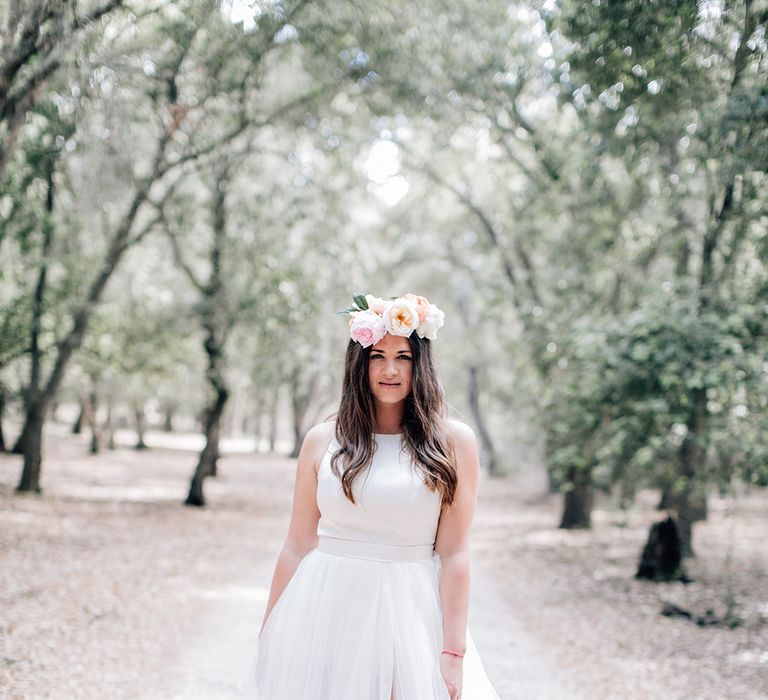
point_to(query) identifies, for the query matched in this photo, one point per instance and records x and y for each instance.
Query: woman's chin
(389, 397)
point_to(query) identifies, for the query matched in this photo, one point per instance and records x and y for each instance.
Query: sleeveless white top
(394, 512)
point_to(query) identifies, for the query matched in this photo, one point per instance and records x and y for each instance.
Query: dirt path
(111, 588)
(520, 667)
(217, 663)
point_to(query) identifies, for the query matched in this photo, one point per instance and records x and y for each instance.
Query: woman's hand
(452, 668)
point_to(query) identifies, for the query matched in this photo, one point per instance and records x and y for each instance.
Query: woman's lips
(388, 384)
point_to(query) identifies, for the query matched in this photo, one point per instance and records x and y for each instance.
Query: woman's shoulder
(319, 437)
(465, 449)
(317, 440)
(321, 433)
(460, 433)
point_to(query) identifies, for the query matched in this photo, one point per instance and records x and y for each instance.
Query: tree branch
(178, 256)
(485, 222)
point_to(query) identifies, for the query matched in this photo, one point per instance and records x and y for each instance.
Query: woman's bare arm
(302, 531)
(452, 544)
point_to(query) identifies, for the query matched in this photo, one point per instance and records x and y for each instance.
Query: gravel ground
(110, 588)
(576, 591)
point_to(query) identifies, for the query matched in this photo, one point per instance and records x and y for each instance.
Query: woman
(370, 594)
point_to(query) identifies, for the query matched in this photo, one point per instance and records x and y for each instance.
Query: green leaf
(360, 301)
(348, 310)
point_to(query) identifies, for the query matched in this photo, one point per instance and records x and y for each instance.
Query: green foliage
(621, 403)
(360, 300)
(623, 46)
(566, 165)
(666, 82)
(24, 220)
(674, 94)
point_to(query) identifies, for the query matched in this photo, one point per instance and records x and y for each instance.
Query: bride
(370, 594)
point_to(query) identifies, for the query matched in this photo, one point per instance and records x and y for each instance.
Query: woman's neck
(389, 418)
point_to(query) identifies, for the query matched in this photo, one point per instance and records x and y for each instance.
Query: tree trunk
(77, 426)
(488, 449)
(213, 467)
(33, 446)
(210, 453)
(168, 420)
(688, 503)
(698, 506)
(109, 427)
(665, 500)
(297, 438)
(626, 493)
(213, 309)
(577, 505)
(300, 401)
(95, 432)
(2, 415)
(661, 558)
(690, 507)
(31, 439)
(140, 422)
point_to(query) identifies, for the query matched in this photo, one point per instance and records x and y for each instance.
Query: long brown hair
(424, 427)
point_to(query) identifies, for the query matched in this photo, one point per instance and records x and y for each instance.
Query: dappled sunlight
(259, 594)
(558, 538)
(245, 12)
(136, 493)
(382, 168)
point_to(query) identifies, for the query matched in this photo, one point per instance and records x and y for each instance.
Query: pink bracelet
(452, 653)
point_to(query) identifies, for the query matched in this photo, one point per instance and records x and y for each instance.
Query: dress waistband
(374, 550)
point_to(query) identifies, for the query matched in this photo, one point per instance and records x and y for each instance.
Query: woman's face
(390, 369)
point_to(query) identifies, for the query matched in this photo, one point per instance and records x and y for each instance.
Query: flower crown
(373, 317)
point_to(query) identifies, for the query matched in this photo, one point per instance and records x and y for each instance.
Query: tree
(181, 136)
(36, 35)
(685, 116)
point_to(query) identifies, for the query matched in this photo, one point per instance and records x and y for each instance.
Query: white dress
(361, 617)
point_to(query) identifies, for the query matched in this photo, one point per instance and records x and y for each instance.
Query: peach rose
(434, 320)
(401, 317)
(375, 304)
(421, 304)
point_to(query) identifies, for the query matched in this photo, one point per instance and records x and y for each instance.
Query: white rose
(429, 326)
(401, 317)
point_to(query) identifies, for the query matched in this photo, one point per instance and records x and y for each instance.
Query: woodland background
(189, 190)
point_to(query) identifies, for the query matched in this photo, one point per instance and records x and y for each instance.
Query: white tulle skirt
(361, 621)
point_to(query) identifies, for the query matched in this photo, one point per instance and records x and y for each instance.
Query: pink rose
(366, 327)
